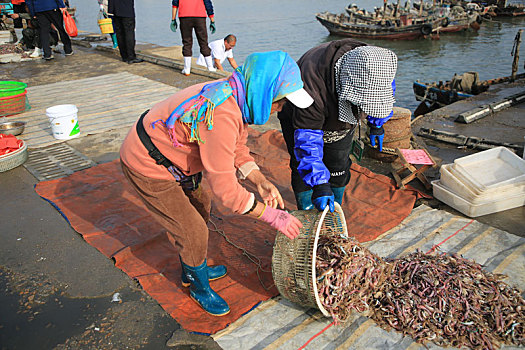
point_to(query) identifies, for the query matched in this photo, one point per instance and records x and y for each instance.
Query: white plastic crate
(470, 209)
(490, 170)
(455, 184)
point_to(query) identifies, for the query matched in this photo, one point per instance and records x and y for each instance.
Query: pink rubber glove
(282, 221)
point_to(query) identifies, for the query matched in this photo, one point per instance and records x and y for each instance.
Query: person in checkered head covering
(349, 81)
(364, 78)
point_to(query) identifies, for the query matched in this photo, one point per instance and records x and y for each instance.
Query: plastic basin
(11, 88)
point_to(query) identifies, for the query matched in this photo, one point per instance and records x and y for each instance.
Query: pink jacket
(223, 156)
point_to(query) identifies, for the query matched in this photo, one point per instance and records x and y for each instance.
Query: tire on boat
(426, 29)
(445, 22)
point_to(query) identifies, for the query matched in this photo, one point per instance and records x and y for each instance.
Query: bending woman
(203, 128)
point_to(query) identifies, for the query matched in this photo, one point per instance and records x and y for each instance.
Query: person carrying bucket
(204, 128)
(349, 81)
(105, 22)
(122, 14)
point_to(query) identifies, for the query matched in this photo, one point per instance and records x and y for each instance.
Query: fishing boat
(502, 8)
(401, 29)
(438, 94)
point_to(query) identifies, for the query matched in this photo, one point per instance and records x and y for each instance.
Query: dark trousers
(45, 19)
(124, 28)
(336, 157)
(187, 26)
(17, 22)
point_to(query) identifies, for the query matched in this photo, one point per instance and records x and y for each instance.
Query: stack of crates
(483, 183)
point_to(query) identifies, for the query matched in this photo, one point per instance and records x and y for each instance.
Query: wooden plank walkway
(104, 103)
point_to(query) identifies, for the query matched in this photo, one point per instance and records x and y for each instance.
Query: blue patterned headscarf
(263, 79)
(269, 77)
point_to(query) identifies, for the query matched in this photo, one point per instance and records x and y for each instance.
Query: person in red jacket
(192, 15)
(19, 6)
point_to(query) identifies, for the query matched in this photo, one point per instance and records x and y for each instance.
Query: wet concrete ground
(56, 290)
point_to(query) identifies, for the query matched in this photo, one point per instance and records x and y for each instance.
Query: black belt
(188, 182)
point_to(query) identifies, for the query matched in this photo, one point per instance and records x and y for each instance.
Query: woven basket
(12, 160)
(293, 261)
(14, 104)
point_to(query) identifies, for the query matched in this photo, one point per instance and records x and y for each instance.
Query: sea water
(291, 26)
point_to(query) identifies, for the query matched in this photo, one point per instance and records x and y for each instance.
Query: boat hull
(437, 97)
(368, 31)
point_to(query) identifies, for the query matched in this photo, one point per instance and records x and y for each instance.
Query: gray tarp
(279, 324)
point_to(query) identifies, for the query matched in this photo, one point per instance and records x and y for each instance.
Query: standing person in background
(48, 12)
(122, 13)
(103, 4)
(349, 81)
(220, 50)
(19, 6)
(192, 16)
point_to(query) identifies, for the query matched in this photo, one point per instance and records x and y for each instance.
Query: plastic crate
(456, 185)
(490, 170)
(470, 209)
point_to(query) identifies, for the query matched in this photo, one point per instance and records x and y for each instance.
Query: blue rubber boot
(338, 194)
(304, 200)
(214, 273)
(201, 292)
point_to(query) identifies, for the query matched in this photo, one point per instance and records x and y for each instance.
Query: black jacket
(318, 74)
(121, 8)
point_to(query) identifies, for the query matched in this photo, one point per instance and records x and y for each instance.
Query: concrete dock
(59, 292)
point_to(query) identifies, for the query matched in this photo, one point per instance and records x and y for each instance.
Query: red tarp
(101, 206)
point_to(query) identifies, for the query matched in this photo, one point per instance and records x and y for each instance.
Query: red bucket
(10, 105)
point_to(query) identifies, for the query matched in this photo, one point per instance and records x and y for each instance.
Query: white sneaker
(36, 53)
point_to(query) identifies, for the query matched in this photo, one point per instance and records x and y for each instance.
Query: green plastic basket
(11, 88)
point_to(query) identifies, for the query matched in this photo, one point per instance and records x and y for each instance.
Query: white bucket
(64, 121)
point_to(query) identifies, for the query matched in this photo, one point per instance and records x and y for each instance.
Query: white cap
(300, 98)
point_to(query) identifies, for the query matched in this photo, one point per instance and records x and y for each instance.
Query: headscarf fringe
(191, 121)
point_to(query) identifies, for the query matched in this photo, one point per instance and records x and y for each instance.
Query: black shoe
(135, 60)
(69, 54)
(48, 58)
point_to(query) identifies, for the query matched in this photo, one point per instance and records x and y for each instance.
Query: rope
(449, 237)
(315, 336)
(254, 259)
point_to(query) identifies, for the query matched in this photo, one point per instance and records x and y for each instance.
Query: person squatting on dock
(221, 50)
(205, 128)
(192, 16)
(349, 81)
